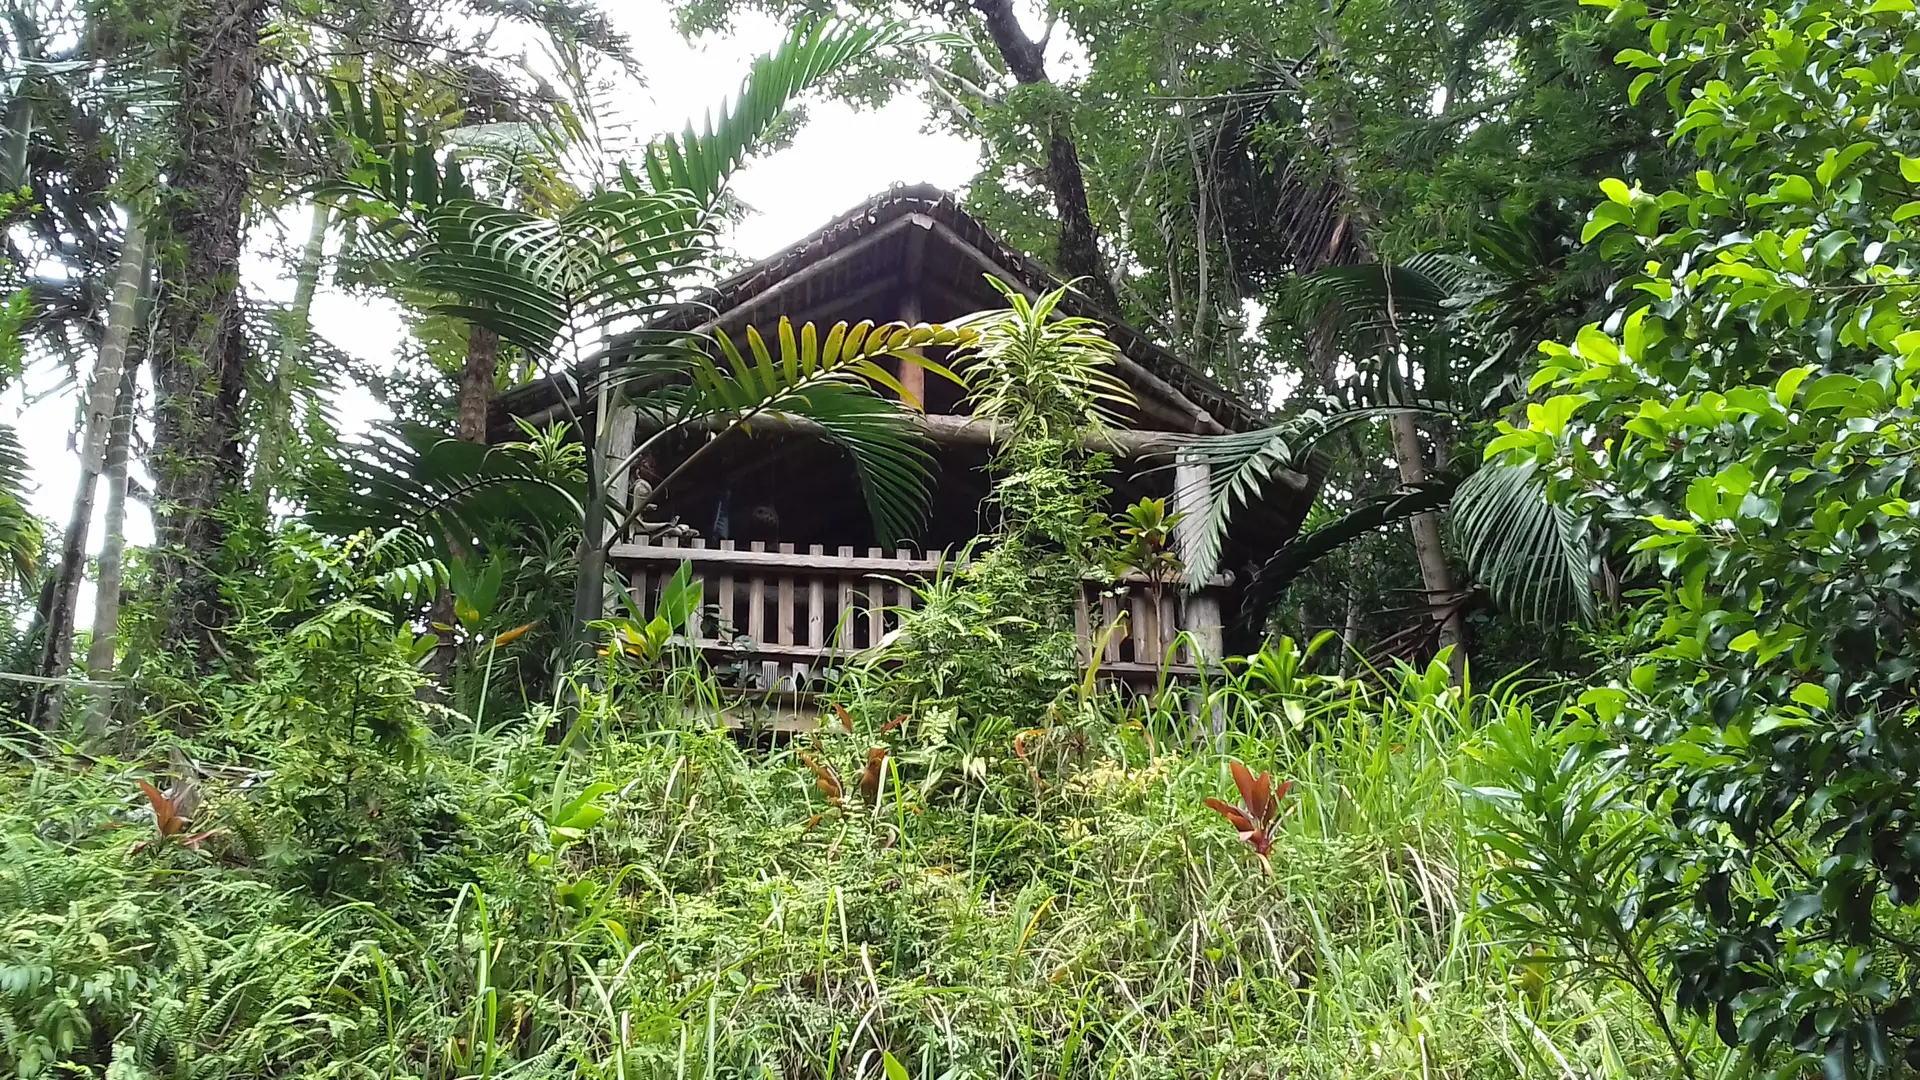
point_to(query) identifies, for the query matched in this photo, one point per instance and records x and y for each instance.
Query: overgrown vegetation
(377, 772)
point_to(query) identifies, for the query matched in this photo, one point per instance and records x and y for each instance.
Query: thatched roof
(913, 253)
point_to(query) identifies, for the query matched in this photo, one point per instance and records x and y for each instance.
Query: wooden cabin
(775, 526)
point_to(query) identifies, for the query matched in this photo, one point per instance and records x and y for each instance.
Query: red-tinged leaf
(1235, 816)
(894, 723)
(165, 821)
(826, 780)
(1020, 741)
(1255, 795)
(870, 776)
(194, 840)
(811, 822)
(846, 718)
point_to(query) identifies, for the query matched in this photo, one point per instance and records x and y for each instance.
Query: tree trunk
(199, 354)
(294, 335)
(106, 591)
(1079, 252)
(1434, 572)
(476, 383)
(475, 398)
(102, 409)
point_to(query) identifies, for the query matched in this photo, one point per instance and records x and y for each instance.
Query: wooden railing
(775, 619)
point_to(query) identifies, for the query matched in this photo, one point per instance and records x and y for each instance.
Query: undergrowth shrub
(666, 903)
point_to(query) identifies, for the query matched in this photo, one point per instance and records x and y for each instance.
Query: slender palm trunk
(476, 384)
(199, 354)
(1435, 574)
(294, 335)
(102, 407)
(106, 592)
(477, 378)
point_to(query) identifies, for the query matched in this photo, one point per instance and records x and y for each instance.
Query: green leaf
(1910, 169)
(1789, 383)
(1812, 695)
(892, 1067)
(1746, 642)
(1639, 86)
(1551, 416)
(1596, 346)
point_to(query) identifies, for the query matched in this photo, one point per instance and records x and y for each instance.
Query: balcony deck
(776, 620)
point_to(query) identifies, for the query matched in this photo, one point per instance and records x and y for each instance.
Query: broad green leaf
(1596, 346)
(1746, 642)
(1789, 383)
(1812, 695)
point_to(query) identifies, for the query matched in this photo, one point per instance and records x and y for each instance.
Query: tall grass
(1076, 915)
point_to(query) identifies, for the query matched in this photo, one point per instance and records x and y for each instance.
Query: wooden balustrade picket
(777, 620)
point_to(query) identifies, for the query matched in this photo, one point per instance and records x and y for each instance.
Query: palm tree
(575, 291)
(1435, 335)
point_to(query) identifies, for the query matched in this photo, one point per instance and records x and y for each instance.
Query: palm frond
(1244, 466)
(617, 255)
(393, 161)
(1285, 566)
(700, 162)
(1533, 555)
(21, 533)
(829, 384)
(409, 476)
(1393, 321)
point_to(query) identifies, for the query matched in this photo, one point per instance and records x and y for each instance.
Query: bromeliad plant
(640, 640)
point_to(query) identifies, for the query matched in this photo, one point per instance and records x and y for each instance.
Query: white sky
(839, 158)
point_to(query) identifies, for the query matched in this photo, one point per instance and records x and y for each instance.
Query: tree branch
(1079, 248)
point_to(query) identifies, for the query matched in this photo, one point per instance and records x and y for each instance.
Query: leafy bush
(1744, 426)
(665, 903)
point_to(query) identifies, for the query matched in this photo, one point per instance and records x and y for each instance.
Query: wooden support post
(913, 377)
(617, 441)
(1193, 497)
(845, 632)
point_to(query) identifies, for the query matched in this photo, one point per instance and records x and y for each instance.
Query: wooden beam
(873, 564)
(913, 377)
(849, 564)
(1121, 442)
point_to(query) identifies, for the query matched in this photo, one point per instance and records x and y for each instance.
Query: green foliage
(658, 904)
(700, 163)
(1043, 377)
(646, 641)
(1744, 427)
(1146, 533)
(990, 648)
